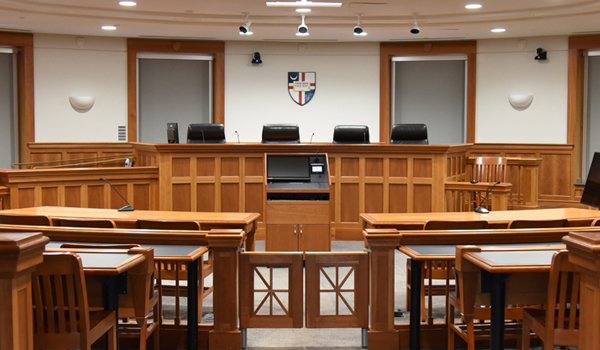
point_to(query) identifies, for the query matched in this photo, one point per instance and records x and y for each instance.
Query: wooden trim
(389, 50)
(214, 48)
(24, 44)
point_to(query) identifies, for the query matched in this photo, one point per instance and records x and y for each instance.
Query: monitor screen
(288, 168)
(591, 192)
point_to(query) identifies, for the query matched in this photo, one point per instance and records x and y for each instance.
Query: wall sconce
(82, 104)
(520, 102)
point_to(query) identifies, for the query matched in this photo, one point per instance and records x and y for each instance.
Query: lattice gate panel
(271, 288)
(337, 290)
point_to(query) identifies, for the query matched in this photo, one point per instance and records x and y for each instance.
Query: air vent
(174, 37)
(122, 131)
(365, 4)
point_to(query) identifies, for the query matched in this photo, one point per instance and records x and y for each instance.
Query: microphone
(203, 141)
(238, 136)
(365, 137)
(128, 207)
(479, 209)
(311, 136)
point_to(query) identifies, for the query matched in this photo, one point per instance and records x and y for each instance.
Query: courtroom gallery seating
(61, 315)
(409, 134)
(351, 134)
(538, 223)
(36, 220)
(558, 324)
(77, 222)
(280, 133)
(206, 133)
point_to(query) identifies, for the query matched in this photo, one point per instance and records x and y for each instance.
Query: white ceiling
(383, 20)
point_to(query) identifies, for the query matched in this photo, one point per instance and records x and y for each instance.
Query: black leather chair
(206, 133)
(281, 133)
(415, 134)
(351, 134)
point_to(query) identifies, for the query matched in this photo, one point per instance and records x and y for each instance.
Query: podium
(297, 212)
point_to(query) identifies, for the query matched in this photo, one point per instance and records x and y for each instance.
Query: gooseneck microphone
(203, 140)
(238, 136)
(311, 136)
(479, 209)
(128, 207)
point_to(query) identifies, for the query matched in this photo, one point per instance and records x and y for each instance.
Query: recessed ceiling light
(303, 3)
(498, 30)
(473, 6)
(303, 10)
(109, 27)
(127, 3)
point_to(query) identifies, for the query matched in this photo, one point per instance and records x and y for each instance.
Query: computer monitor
(288, 168)
(591, 192)
(172, 133)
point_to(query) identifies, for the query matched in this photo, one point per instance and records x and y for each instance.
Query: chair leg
(471, 335)
(408, 286)
(525, 335)
(112, 338)
(450, 327)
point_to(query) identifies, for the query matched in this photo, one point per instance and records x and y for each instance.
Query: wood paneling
(182, 197)
(95, 196)
(205, 197)
(230, 198)
(76, 153)
(422, 199)
(373, 198)
(349, 203)
(181, 167)
(50, 195)
(398, 199)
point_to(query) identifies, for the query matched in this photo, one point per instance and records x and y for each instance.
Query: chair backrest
(538, 223)
(167, 225)
(351, 134)
(455, 225)
(563, 294)
(95, 223)
(409, 134)
(59, 300)
(99, 246)
(280, 133)
(489, 169)
(206, 133)
(34, 220)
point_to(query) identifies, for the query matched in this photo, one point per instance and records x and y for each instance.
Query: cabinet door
(314, 238)
(282, 238)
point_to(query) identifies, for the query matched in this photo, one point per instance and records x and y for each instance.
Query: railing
(4, 198)
(79, 162)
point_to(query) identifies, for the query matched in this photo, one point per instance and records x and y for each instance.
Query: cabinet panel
(314, 238)
(282, 238)
(296, 212)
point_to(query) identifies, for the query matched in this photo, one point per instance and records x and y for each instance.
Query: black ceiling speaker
(256, 58)
(541, 54)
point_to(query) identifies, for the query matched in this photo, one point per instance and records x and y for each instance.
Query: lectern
(297, 212)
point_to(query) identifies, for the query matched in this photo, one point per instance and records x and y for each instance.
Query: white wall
(508, 67)
(347, 90)
(62, 69)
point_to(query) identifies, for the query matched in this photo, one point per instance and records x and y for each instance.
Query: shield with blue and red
(302, 86)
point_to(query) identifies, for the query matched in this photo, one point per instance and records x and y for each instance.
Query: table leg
(415, 304)
(192, 290)
(497, 310)
(115, 285)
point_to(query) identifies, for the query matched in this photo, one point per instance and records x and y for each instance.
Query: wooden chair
(33, 220)
(473, 305)
(61, 315)
(132, 305)
(559, 323)
(487, 169)
(437, 269)
(538, 223)
(178, 271)
(95, 223)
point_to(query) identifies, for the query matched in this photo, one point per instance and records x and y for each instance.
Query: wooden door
(282, 237)
(313, 238)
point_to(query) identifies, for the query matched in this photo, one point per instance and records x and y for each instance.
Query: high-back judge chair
(206, 133)
(61, 316)
(280, 133)
(413, 134)
(351, 134)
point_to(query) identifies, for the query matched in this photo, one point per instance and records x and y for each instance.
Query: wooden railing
(4, 198)
(76, 162)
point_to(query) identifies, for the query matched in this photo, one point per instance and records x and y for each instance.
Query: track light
(358, 30)
(541, 54)
(245, 28)
(302, 28)
(415, 28)
(256, 58)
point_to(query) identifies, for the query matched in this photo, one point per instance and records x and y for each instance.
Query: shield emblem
(302, 86)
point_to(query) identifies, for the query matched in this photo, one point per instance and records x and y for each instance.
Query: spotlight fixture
(541, 54)
(473, 6)
(302, 28)
(256, 58)
(127, 3)
(245, 28)
(303, 3)
(415, 28)
(498, 30)
(109, 27)
(358, 30)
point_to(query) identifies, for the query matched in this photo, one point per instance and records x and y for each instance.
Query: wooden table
(500, 265)
(396, 220)
(188, 254)
(245, 221)
(440, 252)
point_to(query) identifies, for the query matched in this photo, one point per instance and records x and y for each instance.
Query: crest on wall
(302, 86)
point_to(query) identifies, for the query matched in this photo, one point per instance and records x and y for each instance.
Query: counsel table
(127, 219)
(397, 220)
